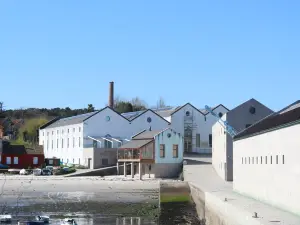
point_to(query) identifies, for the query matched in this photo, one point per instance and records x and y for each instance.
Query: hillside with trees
(33, 118)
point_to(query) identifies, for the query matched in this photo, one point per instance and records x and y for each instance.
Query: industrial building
(239, 118)
(79, 139)
(153, 154)
(195, 125)
(266, 160)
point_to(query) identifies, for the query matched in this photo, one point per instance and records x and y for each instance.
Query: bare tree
(161, 103)
(138, 104)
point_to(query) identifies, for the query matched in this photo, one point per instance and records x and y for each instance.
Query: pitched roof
(286, 116)
(136, 143)
(146, 134)
(202, 111)
(71, 120)
(58, 122)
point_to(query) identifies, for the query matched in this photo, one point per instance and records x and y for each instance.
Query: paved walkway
(200, 172)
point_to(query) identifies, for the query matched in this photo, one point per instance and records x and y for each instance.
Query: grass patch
(174, 198)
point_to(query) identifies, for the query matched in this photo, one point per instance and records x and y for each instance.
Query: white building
(66, 138)
(153, 154)
(195, 125)
(266, 160)
(241, 117)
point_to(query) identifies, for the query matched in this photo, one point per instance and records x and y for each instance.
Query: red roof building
(19, 157)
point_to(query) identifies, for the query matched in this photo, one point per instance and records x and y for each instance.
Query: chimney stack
(111, 95)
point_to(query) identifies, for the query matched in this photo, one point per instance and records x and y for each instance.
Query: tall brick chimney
(111, 95)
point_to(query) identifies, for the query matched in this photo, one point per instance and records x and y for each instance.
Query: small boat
(69, 221)
(30, 222)
(44, 219)
(5, 218)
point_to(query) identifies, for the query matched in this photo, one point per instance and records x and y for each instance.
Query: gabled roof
(57, 122)
(136, 143)
(287, 116)
(146, 134)
(202, 111)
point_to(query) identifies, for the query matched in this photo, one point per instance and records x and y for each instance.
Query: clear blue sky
(64, 53)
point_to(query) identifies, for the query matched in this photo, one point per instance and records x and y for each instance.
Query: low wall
(215, 211)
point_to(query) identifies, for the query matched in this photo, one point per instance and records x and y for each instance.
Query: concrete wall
(95, 156)
(275, 183)
(239, 117)
(174, 139)
(203, 125)
(161, 170)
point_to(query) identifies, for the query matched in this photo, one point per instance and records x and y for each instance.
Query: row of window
(16, 160)
(162, 151)
(263, 160)
(62, 143)
(198, 142)
(62, 131)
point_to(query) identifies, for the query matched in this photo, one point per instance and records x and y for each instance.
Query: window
(210, 140)
(16, 160)
(35, 160)
(249, 160)
(94, 144)
(266, 159)
(68, 130)
(62, 131)
(74, 129)
(252, 110)
(52, 144)
(242, 160)
(68, 143)
(276, 159)
(107, 144)
(261, 160)
(47, 144)
(57, 131)
(43, 133)
(245, 160)
(220, 114)
(175, 151)
(50, 162)
(62, 143)
(52, 132)
(8, 160)
(256, 160)
(79, 129)
(187, 113)
(162, 151)
(283, 159)
(47, 133)
(198, 140)
(248, 125)
(252, 160)
(73, 142)
(271, 159)
(57, 143)
(104, 162)
(79, 141)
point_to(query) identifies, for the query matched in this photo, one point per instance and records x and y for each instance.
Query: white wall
(276, 184)
(219, 148)
(203, 125)
(53, 143)
(175, 139)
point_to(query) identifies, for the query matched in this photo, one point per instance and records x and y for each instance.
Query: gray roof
(163, 112)
(147, 134)
(136, 143)
(71, 120)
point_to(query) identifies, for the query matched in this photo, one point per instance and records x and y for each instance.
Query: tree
(161, 103)
(90, 108)
(138, 104)
(27, 134)
(123, 107)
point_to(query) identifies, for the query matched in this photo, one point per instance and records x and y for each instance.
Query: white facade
(200, 139)
(241, 117)
(266, 167)
(67, 141)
